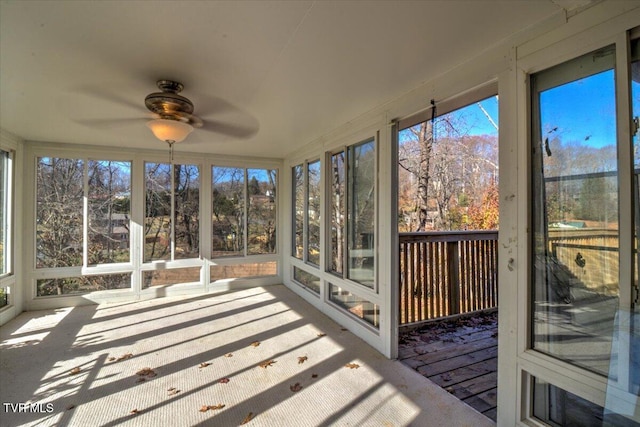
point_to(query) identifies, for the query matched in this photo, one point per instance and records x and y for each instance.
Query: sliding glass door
(584, 266)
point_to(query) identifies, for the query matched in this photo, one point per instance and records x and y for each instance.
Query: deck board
(460, 356)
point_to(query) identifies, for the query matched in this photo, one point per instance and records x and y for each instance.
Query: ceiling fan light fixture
(169, 131)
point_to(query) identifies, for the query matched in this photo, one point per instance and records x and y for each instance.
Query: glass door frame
(531, 364)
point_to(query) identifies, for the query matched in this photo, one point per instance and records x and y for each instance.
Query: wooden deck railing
(447, 273)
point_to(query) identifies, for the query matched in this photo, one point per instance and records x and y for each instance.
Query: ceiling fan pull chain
(170, 151)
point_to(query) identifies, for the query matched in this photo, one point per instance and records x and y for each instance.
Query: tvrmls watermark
(31, 407)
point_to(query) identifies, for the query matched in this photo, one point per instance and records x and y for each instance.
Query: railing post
(453, 277)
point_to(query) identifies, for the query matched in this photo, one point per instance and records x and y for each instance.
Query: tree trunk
(425, 139)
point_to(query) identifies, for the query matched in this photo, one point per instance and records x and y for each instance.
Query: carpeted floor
(260, 356)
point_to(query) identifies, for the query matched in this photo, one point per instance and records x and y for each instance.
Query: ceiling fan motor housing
(168, 103)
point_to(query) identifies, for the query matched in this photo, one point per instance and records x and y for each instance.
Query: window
(244, 211)
(298, 211)
(187, 211)
(109, 204)
(238, 271)
(82, 284)
(6, 184)
(353, 212)
(313, 212)
(59, 212)
(228, 211)
(355, 305)
(576, 211)
(172, 197)
(306, 279)
(261, 212)
(583, 305)
(306, 194)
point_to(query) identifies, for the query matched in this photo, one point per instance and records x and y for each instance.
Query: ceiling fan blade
(243, 131)
(110, 96)
(206, 105)
(110, 123)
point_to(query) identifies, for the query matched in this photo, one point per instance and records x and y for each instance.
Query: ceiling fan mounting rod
(170, 86)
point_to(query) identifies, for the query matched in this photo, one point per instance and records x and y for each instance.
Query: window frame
(172, 243)
(532, 364)
(245, 218)
(360, 288)
(7, 278)
(305, 168)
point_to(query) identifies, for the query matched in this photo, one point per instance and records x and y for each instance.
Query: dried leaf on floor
(74, 371)
(228, 355)
(141, 380)
(352, 366)
(314, 375)
(120, 358)
(146, 372)
(446, 377)
(224, 380)
(301, 359)
(205, 408)
(267, 363)
(248, 418)
(321, 334)
(204, 364)
(255, 344)
(134, 412)
(173, 391)
(70, 407)
(296, 387)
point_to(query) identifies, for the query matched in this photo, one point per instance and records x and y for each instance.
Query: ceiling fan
(173, 114)
(175, 119)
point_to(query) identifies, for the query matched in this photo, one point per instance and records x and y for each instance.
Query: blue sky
(584, 111)
(478, 122)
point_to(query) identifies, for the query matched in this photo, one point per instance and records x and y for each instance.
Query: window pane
(109, 202)
(556, 406)
(237, 271)
(187, 211)
(575, 212)
(298, 214)
(306, 279)
(79, 285)
(313, 213)
(59, 207)
(157, 222)
(635, 102)
(361, 226)
(261, 212)
(5, 193)
(337, 212)
(228, 212)
(355, 305)
(170, 276)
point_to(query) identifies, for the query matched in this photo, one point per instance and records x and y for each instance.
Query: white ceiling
(277, 74)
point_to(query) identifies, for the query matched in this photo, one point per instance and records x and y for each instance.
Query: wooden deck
(460, 356)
